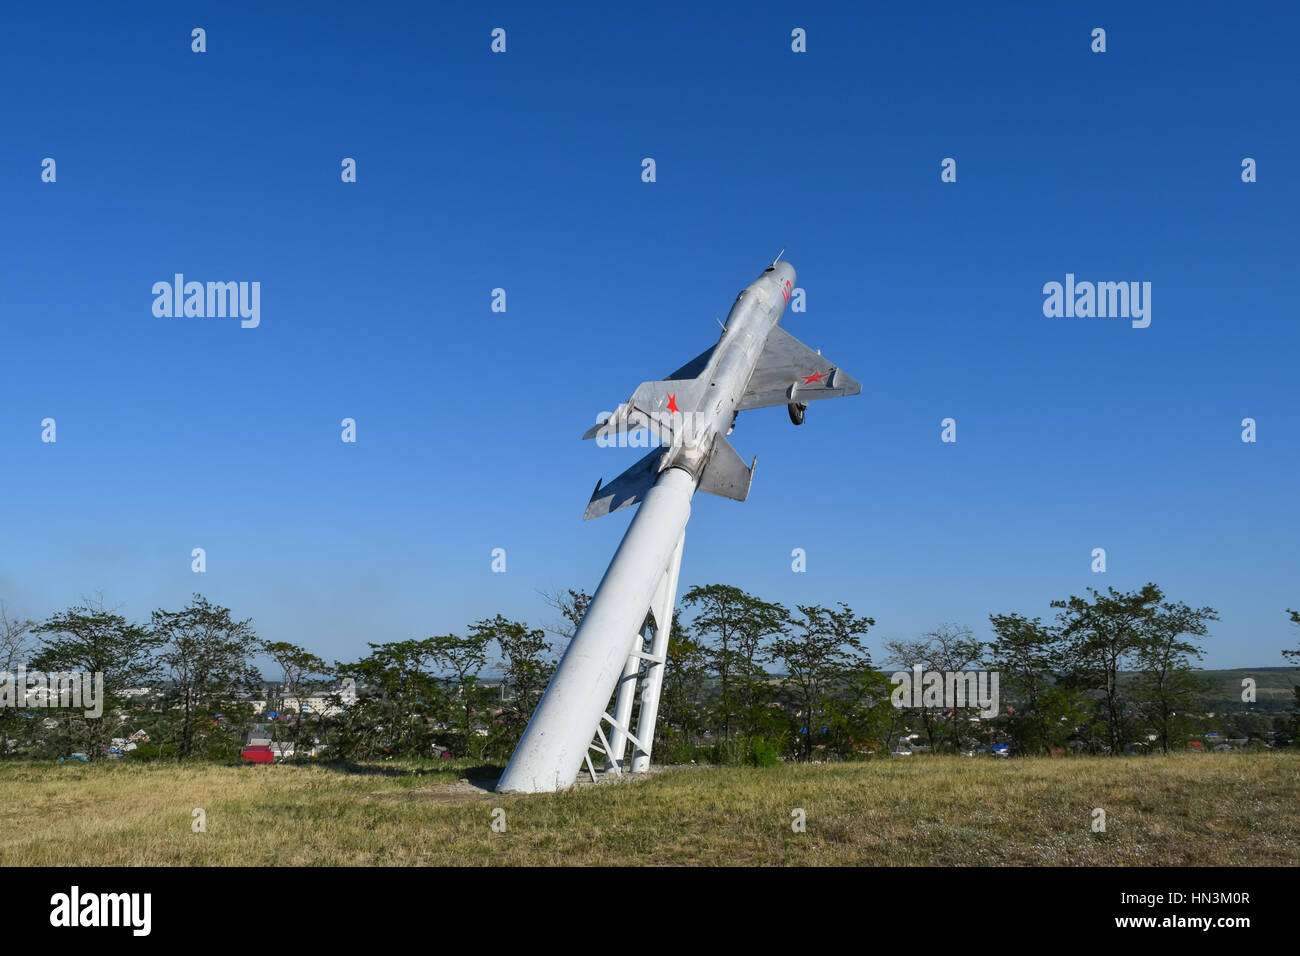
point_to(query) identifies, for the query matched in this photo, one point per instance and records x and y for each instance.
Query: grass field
(1210, 809)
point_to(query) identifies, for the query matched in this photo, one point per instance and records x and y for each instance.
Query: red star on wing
(814, 377)
(672, 403)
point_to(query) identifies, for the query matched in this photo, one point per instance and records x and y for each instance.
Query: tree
(208, 654)
(761, 623)
(1294, 656)
(682, 718)
(526, 672)
(572, 607)
(949, 648)
(860, 713)
(1166, 686)
(954, 649)
(464, 658)
(1028, 656)
(720, 609)
(16, 645)
(300, 670)
(732, 626)
(1122, 631)
(827, 652)
(1102, 637)
(403, 701)
(92, 640)
(907, 656)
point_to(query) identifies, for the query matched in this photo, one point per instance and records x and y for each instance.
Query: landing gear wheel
(796, 410)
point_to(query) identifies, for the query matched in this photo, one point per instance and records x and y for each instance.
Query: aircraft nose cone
(783, 272)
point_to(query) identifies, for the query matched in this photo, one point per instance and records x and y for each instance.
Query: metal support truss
(649, 667)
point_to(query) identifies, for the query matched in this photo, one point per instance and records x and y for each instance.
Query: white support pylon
(658, 624)
(555, 742)
(623, 703)
(653, 681)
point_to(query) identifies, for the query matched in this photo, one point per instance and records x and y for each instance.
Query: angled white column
(653, 682)
(554, 745)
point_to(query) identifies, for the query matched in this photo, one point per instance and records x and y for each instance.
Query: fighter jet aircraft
(755, 364)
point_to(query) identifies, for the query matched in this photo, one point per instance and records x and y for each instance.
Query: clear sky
(522, 171)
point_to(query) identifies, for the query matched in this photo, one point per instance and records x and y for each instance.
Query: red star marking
(814, 377)
(672, 403)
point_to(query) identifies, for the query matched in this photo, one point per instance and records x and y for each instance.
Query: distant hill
(1274, 688)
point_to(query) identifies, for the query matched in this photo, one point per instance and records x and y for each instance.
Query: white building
(327, 702)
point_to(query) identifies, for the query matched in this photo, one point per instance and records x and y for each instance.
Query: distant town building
(326, 702)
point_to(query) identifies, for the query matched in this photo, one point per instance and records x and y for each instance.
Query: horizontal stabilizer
(726, 474)
(664, 408)
(668, 397)
(627, 489)
(623, 420)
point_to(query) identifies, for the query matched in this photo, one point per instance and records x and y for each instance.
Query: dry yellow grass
(1219, 809)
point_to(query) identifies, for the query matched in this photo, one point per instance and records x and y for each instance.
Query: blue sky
(522, 171)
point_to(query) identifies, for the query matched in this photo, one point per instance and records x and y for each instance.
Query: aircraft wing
(789, 371)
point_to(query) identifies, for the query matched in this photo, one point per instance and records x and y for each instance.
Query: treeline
(1112, 673)
(199, 660)
(189, 679)
(746, 680)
